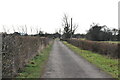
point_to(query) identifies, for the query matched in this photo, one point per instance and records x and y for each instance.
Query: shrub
(18, 50)
(109, 49)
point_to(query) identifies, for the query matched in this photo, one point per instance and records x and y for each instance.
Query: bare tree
(37, 30)
(69, 28)
(22, 29)
(65, 21)
(13, 28)
(8, 30)
(18, 29)
(31, 30)
(74, 28)
(4, 29)
(25, 29)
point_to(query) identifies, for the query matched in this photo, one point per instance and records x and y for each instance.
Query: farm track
(64, 63)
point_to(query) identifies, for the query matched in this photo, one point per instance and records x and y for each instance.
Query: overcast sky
(48, 14)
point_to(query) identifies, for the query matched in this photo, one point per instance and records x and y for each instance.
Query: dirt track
(64, 63)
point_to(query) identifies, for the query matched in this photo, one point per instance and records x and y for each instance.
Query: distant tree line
(23, 31)
(95, 33)
(102, 33)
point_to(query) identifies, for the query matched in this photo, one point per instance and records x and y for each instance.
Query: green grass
(111, 41)
(35, 66)
(107, 64)
(103, 41)
(82, 38)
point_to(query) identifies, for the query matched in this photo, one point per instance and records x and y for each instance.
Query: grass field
(111, 41)
(103, 41)
(36, 66)
(105, 63)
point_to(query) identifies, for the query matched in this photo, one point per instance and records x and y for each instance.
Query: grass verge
(35, 66)
(110, 41)
(117, 42)
(105, 63)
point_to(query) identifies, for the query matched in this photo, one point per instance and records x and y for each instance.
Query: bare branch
(13, 28)
(18, 29)
(31, 30)
(25, 29)
(4, 28)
